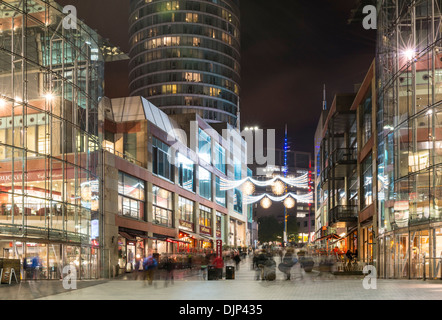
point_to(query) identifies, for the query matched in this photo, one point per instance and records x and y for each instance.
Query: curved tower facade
(409, 77)
(185, 56)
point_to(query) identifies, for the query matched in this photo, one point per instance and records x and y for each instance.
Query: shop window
(205, 218)
(130, 196)
(162, 207)
(185, 212)
(219, 225)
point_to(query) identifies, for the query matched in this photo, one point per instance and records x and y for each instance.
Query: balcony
(348, 214)
(344, 156)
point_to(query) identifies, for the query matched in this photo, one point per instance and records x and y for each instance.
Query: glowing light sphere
(278, 187)
(289, 202)
(248, 188)
(266, 203)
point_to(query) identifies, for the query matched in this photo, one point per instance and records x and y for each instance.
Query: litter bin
(212, 273)
(230, 273)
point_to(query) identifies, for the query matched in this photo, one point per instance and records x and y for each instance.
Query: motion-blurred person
(169, 267)
(270, 268)
(149, 266)
(237, 259)
(261, 260)
(288, 261)
(218, 263)
(281, 254)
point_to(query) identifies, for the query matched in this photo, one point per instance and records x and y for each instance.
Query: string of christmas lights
(301, 198)
(299, 182)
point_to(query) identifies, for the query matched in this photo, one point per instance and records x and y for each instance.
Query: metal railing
(124, 156)
(347, 213)
(344, 155)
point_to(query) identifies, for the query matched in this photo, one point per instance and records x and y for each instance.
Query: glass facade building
(51, 79)
(185, 56)
(409, 125)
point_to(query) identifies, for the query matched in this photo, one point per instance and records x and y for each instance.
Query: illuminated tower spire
(324, 101)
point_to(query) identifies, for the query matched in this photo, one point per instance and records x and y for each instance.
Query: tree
(292, 228)
(269, 229)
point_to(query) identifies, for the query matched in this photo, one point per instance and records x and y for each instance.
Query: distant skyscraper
(185, 56)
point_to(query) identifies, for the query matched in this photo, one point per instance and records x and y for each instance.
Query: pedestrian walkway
(302, 286)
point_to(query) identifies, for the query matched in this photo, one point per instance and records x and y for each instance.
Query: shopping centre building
(346, 179)
(89, 181)
(51, 79)
(409, 137)
(378, 158)
(162, 183)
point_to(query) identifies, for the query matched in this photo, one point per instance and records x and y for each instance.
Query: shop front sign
(206, 230)
(186, 224)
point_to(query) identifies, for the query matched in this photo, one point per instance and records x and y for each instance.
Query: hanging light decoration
(289, 202)
(248, 188)
(266, 203)
(278, 187)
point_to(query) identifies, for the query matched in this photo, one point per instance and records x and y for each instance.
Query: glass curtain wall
(49, 146)
(409, 72)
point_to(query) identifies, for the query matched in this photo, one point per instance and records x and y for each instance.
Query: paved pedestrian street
(302, 286)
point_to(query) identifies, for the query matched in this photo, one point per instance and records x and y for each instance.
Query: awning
(127, 236)
(177, 240)
(205, 237)
(194, 235)
(330, 236)
(147, 237)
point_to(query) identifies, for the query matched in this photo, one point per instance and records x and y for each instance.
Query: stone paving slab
(302, 286)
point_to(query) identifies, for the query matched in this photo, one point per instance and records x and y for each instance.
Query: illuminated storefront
(49, 140)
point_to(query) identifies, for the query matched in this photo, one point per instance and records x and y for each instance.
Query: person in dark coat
(237, 259)
(270, 268)
(287, 263)
(169, 266)
(261, 260)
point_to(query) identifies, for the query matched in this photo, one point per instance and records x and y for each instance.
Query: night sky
(290, 49)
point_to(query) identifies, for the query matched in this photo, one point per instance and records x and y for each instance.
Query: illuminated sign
(206, 230)
(186, 224)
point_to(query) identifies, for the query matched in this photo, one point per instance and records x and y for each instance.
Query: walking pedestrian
(237, 259)
(169, 266)
(149, 266)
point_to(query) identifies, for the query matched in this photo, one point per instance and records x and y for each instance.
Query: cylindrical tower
(185, 56)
